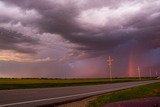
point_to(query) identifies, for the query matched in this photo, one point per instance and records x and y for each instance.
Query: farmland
(23, 83)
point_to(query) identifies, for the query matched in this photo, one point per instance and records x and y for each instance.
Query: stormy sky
(73, 38)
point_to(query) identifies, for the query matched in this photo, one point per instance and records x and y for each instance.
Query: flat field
(16, 83)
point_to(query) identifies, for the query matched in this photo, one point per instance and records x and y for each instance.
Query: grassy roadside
(43, 83)
(150, 90)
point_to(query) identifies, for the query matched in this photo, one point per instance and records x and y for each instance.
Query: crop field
(17, 83)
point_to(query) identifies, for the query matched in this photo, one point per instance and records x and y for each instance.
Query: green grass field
(43, 83)
(150, 90)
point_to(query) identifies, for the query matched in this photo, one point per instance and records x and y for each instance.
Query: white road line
(76, 95)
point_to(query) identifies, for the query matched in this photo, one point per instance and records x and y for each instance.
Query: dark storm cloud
(56, 18)
(61, 19)
(11, 40)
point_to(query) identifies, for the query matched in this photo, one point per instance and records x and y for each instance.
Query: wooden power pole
(110, 67)
(139, 72)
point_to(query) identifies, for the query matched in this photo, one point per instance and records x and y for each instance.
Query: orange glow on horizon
(20, 57)
(13, 56)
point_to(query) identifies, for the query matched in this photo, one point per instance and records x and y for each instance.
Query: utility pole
(150, 73)
(110, 67)
(139, 72)
(156, 74)
(65, 77)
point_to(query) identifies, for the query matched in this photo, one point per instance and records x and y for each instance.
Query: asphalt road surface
(43, 96)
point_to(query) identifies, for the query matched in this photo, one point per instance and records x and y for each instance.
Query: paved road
(41, 96)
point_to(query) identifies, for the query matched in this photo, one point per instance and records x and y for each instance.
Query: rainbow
(131, 65)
